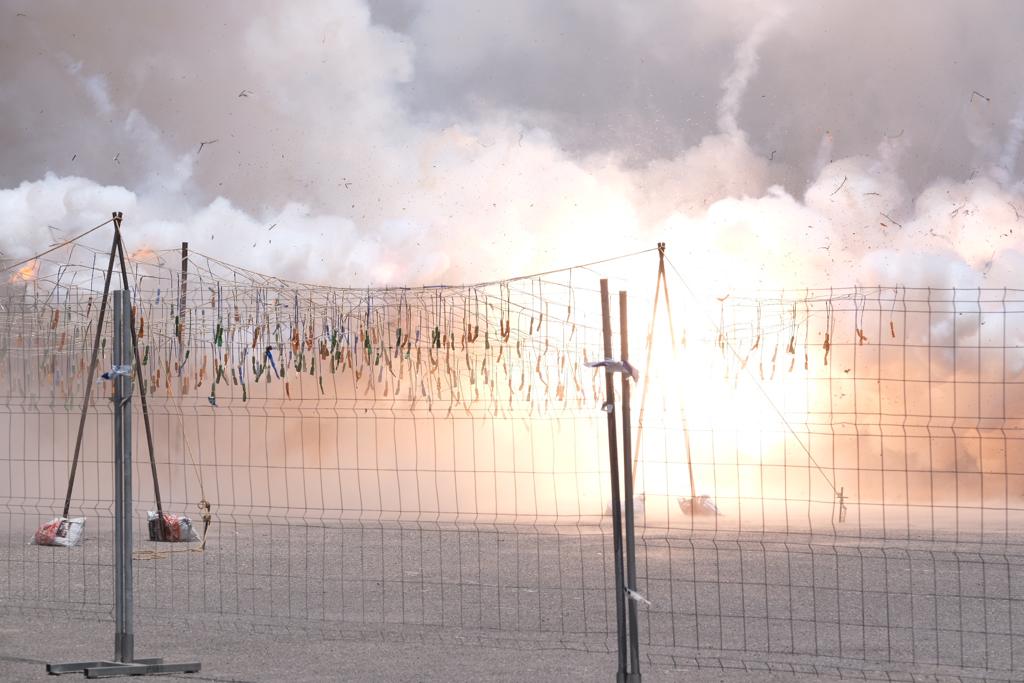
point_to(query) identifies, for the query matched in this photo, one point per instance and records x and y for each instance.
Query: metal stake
(627, 475)
(613, 459)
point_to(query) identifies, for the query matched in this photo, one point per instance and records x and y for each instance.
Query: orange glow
(144, 254)
(26, 273)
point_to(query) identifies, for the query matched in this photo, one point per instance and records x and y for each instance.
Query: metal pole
(124, 650)
(613, 459)
(118, 490)
(182, 301)
(682, 408)
(141, 381)
(627, 474)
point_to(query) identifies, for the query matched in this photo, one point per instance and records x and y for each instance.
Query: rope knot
(204, 511)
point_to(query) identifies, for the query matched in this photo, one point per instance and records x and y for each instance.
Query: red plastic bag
(60, 531)
(177, 528)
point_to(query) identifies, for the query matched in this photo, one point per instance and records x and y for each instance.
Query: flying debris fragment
(891, 220)
(838, 188)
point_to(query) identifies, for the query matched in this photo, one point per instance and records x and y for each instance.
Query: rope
(757, 383)
(567, 268)
(56, 247)
(203, 505)
(268, 278)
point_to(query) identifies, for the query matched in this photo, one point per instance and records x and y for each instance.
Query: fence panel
(413, 462)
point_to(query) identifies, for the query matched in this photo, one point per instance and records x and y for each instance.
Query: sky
(770, 144)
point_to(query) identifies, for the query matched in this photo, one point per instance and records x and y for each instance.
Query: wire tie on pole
(636, 597)
(611, 365)
(115, 372)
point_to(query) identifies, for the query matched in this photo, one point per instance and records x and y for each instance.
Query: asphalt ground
(306, 600)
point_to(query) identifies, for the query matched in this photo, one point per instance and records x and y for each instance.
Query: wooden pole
(634, 635)
(661, 283)
(613, 460)
(182, 302)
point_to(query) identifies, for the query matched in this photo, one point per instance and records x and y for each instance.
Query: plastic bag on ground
(639, 508)
(60, 531)
(699, 506)
(177, 528)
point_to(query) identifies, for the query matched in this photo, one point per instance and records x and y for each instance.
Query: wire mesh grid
(425, 457)
(431, 463)
(858, 454)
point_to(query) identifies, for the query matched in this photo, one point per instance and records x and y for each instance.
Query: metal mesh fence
(429, 457)
(433, 462)
(861, 447)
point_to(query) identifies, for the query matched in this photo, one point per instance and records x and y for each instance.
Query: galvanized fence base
(138, 667)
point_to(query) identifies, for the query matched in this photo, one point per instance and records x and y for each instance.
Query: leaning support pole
(661, 283)
(613, 460)
(91, 375)
(650, 351)
(627, 475)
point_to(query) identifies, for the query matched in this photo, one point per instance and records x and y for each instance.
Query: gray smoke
(771, 144)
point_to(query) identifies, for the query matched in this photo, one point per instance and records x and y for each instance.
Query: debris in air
(891, 220)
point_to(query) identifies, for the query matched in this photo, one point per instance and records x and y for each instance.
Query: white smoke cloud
(318, 164)
(735, 85)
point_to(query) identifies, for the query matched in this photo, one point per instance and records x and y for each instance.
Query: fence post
(124, 636)
(124, 662)
(613, 459)
(627, 475)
